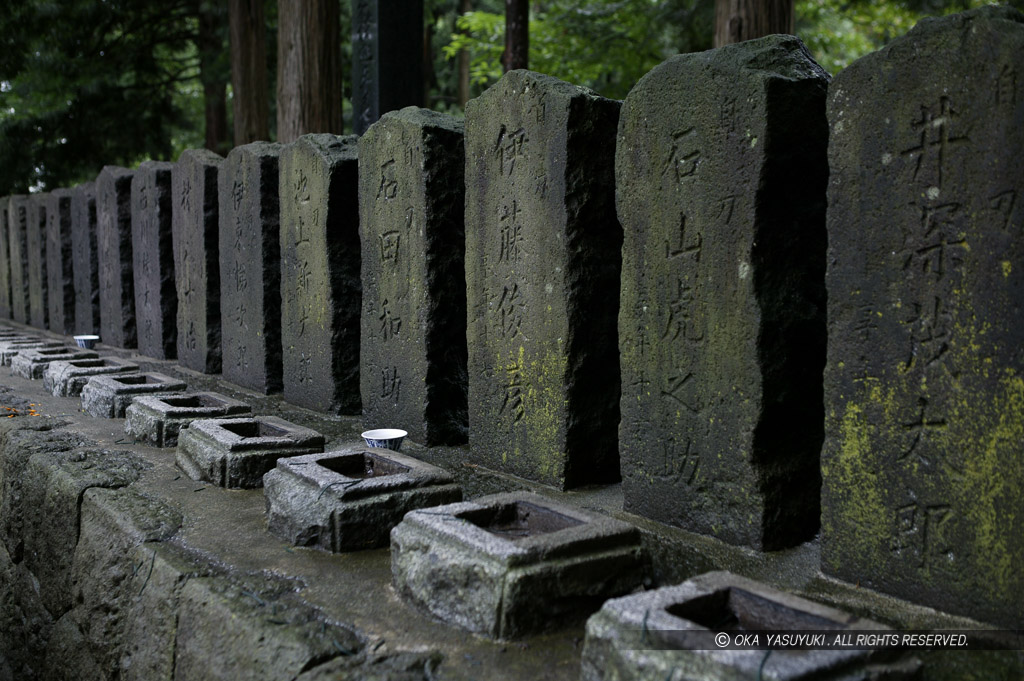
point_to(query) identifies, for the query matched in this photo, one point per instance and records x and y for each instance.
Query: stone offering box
(109, 396)
(235, 453)
(33, 363)
(349, 499)
(507, 565)
(157, 419)
(671, 633)
(66, 378)
(10, 349)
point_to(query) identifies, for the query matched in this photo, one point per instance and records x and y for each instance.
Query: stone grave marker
(5, 260)
(320, 285)
(38, 302)
(114, 248)
(924, 382)
(721, 195)
(249, 250)
(413, 331)
(59, 262)
(196, 261)
(156, 300)
(84, 256)
(17, 242)
(542, 274)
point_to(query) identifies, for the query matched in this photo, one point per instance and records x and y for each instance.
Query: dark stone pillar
(156, 300)
(59, 265)
(38, 302)
(17, 230)
(114, 244)
(85, 258)
(5, 260)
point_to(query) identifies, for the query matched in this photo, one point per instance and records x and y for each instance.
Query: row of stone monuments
(773, 303)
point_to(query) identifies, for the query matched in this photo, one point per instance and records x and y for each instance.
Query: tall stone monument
(249, 250)
(59, 263)
(923, 471)
(114, 244)
(320, 285)
(156, 300)
(721, 194)
(196, 260)
(542, 275)
(5, 260)
(17, 231)
(85, 258)
(413, 340)
(38, 300)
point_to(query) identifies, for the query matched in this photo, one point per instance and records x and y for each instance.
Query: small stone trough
(157, 419)
(32, 364)
(349, 499)
(689, 632)
(236, 453)
(9, 349)
(508, 565)
(109, 396)
(66, 378)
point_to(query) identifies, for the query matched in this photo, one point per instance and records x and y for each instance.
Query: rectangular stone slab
(320, 285)
(114, 244)
(109, 396)
(250, 267)
(921, 467)
(35, 241)
(196, 261)
(721, 195)
(412, 344)
(9, 349)
(59, 263)
(66, 378)
(156, 300)
(542, 262)
(32, 364)
(5, 260)
(85, 258)
(235, 453)
(350, 498)
(158, 419)
(523, 563)
(17, 242)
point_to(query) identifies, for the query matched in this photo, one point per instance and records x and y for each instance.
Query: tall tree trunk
(251, 103)
(739, 20)
(211, 49)
(308, 68)
(464, 7)
(517, 35)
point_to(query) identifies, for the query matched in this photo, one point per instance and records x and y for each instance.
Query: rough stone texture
(17, 242)
(9, 349)
(320, 284)
(511, 564)
(236, 453)
(5, 260)
(157, 420)
(667, 633)
(35, 240)
(349, 499)
(721, 195)
(924, 383)
(114, 248)
(250, 267)
(369, 667)
(66, 378)
(156, 300)
(196, 260)
(60, 274)
(542, 275)
(109, 396)
(85, 258)
(33, 363)
(412, 345)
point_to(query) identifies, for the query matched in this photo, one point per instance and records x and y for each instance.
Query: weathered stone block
(60, 275)
(33, 363)
(66, 378)
(349, 499)
(542, 275)
(320, 285)
(387, 54)
(412, 345)
(196, 260)
(156, 300)
(921, 468)
(511, 564)
(721, 195)
(17, 242)
(157, 420)
(85, 258)
(35, 241)
(9, 349)
(114, 247)
(5, 260)
(671, 633)
(250, 267)
(235, 453)
(109, 396)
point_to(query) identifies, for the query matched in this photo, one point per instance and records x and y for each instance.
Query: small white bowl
(87, 342)
(385, 438)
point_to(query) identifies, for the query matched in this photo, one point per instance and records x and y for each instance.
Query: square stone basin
(66, 378)
(157, 419)
(32, 363)
(109, 396)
